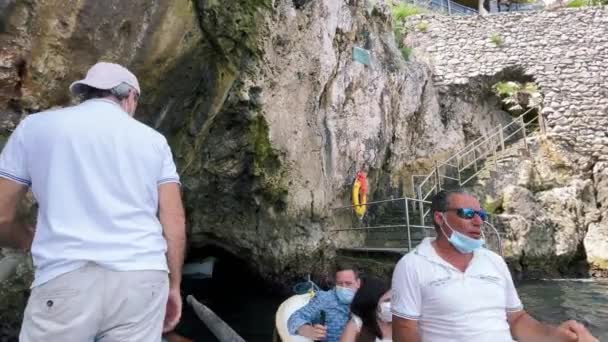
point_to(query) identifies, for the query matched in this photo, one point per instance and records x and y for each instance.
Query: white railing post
(458, 169)
(437, 178)
(495, 158)
(407, 223)
(475, 159)
(413, 186)
(523, 129)
(541, 123)
(421, 205)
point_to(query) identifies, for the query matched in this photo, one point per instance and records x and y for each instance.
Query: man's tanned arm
(13, 233)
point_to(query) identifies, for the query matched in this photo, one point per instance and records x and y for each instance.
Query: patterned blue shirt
(336, 315)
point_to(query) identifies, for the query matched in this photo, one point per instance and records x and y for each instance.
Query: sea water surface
(250, 310)
(558, 300)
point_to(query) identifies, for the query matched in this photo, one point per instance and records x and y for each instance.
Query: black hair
(441, 202)
(365, 305)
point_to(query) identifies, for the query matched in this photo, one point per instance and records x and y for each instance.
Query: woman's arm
(350, 333)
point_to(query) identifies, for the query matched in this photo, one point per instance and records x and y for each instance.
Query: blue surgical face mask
(345, 294)
(461, 242)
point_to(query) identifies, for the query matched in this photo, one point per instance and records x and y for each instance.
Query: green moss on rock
(266, 164)
(14, 293)
(492, 205)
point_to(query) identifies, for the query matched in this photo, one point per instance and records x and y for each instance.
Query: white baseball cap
(105, 75)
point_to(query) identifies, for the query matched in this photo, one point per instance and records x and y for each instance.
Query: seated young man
(335, 303)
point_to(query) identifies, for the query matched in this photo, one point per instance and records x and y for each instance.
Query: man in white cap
(110, 218)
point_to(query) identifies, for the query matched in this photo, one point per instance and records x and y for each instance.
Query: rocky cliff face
(269, 116)
(268, 113)
(545, 208)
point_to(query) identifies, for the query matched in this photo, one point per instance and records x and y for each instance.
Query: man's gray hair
(441, 201)
(120, 92)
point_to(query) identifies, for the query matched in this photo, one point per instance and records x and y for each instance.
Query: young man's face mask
(345, 294)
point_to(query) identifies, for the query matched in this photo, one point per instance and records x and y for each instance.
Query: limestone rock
(545, 209)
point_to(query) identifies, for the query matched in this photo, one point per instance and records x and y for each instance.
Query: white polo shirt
(94, 172)
(450, 305)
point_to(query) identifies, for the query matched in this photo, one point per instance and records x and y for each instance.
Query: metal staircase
(398, 225)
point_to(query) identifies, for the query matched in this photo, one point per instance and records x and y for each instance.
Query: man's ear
(438, 218)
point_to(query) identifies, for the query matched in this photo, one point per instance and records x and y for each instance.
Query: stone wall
(565, 52)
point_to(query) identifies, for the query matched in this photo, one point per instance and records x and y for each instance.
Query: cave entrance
(235, 291)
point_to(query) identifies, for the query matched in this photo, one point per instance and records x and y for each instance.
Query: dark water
(555, 301)
(250, 310)
(551, 301)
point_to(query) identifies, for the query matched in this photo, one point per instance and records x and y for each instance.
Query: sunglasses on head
(469, 213)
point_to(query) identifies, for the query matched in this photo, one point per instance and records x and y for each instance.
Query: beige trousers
(95, 304)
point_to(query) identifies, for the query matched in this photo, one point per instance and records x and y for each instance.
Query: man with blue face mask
(451, 289)
(334, 303)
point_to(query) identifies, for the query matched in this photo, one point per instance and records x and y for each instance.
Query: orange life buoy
(359, 197)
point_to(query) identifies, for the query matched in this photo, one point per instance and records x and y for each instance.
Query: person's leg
(136, 303)
(66, 308)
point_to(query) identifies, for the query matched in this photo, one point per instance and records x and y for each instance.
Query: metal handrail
(473, 146)
(471, 154)
(467, 157)
(408, 203)
(448, 6)
(501, 128)
(500, 248)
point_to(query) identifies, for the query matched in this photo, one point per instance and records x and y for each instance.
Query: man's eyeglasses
(469, 213)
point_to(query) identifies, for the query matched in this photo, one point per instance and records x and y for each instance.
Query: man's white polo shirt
(94, 172)
(450, 305)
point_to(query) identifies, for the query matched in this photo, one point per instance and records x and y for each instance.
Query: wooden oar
(218, 327)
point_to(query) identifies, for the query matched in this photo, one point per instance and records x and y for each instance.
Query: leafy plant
(406, 52)
(403, 10)
(496, 39)
(505, 89)
(422, 26)
(399, 13)
(518, 96)
(583, 3)
(576, 3)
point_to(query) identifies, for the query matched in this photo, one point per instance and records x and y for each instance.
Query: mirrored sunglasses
(469, 213)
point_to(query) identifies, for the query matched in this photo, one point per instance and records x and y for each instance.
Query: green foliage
(583, 3)
(504, 89)
(492, 205)
(518, 96)
(577, 3)
(422, 26)
(496, 39)
(399, 13)
(403, 10)
(406, 52)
